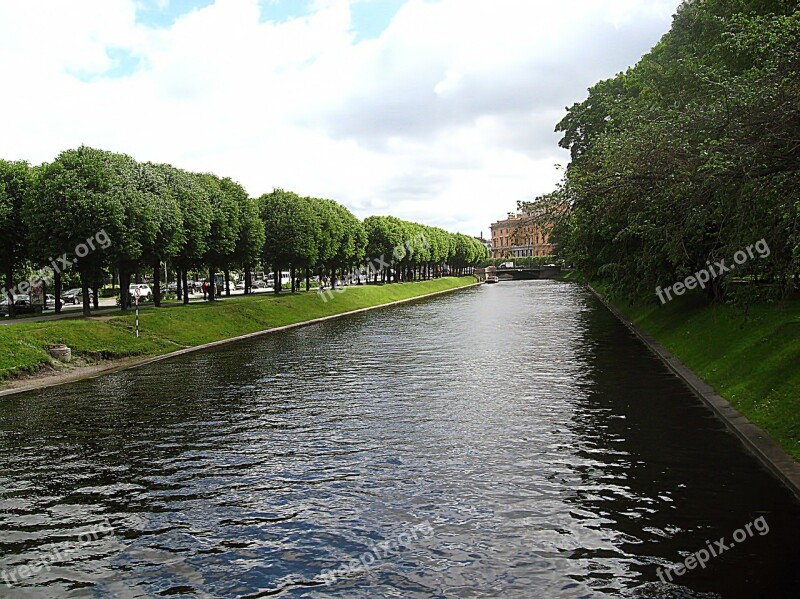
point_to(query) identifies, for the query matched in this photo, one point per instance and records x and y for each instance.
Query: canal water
(513, 440)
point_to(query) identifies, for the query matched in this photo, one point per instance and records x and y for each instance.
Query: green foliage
(82, 192)
(157, 182)
(414, 245)
(251, 236)
(293, 230)
(223, 196)
(153, 213)
(196, 214)
(15, 181)
(691, 155)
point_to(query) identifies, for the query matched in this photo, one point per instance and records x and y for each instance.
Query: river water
(512, 440)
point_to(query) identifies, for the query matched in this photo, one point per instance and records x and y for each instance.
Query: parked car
(22, 305)
(74, 296)
(259, 284)
(145, 293)
(239, 285)
(172, 287)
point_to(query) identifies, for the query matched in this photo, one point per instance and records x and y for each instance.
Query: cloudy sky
(439, 111)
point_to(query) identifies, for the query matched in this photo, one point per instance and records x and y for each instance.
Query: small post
(136, 293)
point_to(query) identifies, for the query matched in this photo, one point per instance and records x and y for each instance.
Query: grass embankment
(111, 336)
(752, 360)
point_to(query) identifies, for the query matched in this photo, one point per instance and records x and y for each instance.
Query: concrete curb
(128, 363)
(772, 455)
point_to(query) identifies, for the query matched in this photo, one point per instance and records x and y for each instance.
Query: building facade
(520, 236)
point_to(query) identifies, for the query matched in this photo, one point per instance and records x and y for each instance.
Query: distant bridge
(528, 274)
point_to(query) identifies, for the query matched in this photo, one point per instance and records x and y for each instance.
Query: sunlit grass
(111, 335)
(752, 360)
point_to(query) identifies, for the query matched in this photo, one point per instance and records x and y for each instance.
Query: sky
(437, 111)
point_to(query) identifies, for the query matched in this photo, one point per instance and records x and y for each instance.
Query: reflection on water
(513, 440)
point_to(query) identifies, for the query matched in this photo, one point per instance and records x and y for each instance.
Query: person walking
(204, 287)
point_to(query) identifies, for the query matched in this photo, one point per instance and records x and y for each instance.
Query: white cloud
(447, 117)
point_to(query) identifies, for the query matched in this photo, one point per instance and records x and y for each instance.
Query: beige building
(519, 236)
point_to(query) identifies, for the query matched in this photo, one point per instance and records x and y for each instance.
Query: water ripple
(513, 441)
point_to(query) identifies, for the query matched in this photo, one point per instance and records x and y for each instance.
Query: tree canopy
(691, 155)
(150, 214)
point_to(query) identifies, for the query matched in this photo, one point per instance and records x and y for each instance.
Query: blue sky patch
(162, 14)
(372, 17)
(279, 11)
(124, 64)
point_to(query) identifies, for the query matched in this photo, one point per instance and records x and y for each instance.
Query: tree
(384, 234)
(169, 234)
(691, 155)
(292, 232)
(74, 199)
(137, 187)
(15, 182)
(250, 239)
(196, 216)
(221, 242)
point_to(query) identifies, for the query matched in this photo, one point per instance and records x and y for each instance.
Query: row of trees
(691, 155)
(53, 216)
(316, 235)
(417, 250)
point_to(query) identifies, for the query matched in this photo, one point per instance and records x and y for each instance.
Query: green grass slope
(23, 344)
(753, 361)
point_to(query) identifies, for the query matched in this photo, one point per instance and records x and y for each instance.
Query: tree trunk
(185, 278)
(308, 280)
(179, 282)
(124, 289)
(96, 296)
(10, 292)
(248, 280)
(276, 281)
(85, 294)
(157, 283)
(291, 276)
(57, 290)
(212, 284)
(227, 282)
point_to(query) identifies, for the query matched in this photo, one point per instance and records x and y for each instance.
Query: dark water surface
(509, 441)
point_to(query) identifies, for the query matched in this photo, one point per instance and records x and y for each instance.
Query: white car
(145, 294)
